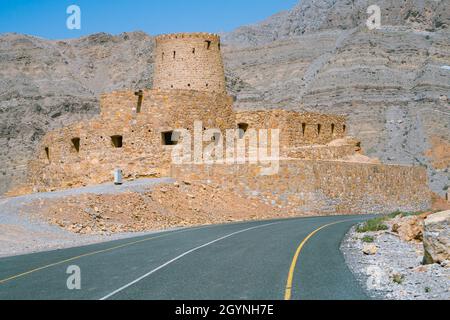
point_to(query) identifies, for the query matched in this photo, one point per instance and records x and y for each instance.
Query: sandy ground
(21, 232)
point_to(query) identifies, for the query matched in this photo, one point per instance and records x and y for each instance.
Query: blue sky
(47, 18)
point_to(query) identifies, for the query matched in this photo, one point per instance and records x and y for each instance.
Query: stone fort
(134, 132)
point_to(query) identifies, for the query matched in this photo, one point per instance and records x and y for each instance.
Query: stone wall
(296, 129)
(130, 134)
(322, 152)
(324, 187)
(88, 152)
(169, 108)
(189, 61)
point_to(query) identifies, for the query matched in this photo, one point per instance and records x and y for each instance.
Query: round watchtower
(190, 61)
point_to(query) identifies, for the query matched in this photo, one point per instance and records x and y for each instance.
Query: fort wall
(131, 130)
(326, 187)
(121, 137)
(322, 152)
(296, 129)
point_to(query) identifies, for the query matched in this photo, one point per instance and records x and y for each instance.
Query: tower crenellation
(189, 61)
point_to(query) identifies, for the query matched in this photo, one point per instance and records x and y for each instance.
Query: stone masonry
(137, 141)
(190, 61)
(324, 187)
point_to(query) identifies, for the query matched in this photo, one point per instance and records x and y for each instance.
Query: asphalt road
(266, 260)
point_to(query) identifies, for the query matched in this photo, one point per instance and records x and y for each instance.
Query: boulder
(436, 240)
(410, 228)
(370, 249)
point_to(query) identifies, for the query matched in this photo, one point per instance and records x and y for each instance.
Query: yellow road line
(288, 292)
(85, 255)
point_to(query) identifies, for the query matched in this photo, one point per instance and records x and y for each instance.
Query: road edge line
(290, 279)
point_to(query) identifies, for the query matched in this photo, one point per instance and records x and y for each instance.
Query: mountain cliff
(317, 15)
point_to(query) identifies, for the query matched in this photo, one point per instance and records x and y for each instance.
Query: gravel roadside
(395, 271)
(21, 234)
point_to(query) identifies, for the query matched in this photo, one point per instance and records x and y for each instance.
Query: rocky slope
(179, 204)
(389, 263)
(393, 83)
(310, 16)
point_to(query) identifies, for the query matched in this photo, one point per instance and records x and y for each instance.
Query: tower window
(162, 56)
(218, 46)
(344, 128)
(117, 141)
(303, 128)
(208, 44)
(169, 138)
(319, 129)
(76, 144)
(243, 127)
(332, 128)
(193, 50)
(140, 95)
(174, 54)
(47, 153)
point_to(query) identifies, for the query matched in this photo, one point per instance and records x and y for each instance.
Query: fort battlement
(297, 128)
(194, 35)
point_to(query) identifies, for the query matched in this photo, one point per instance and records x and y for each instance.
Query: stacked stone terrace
(134, 133)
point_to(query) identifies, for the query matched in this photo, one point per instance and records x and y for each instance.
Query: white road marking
(181, 256)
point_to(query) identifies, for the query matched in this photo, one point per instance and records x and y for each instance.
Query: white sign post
(118, 177)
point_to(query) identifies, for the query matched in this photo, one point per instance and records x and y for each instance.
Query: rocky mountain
(317, 15)
(392, 83)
